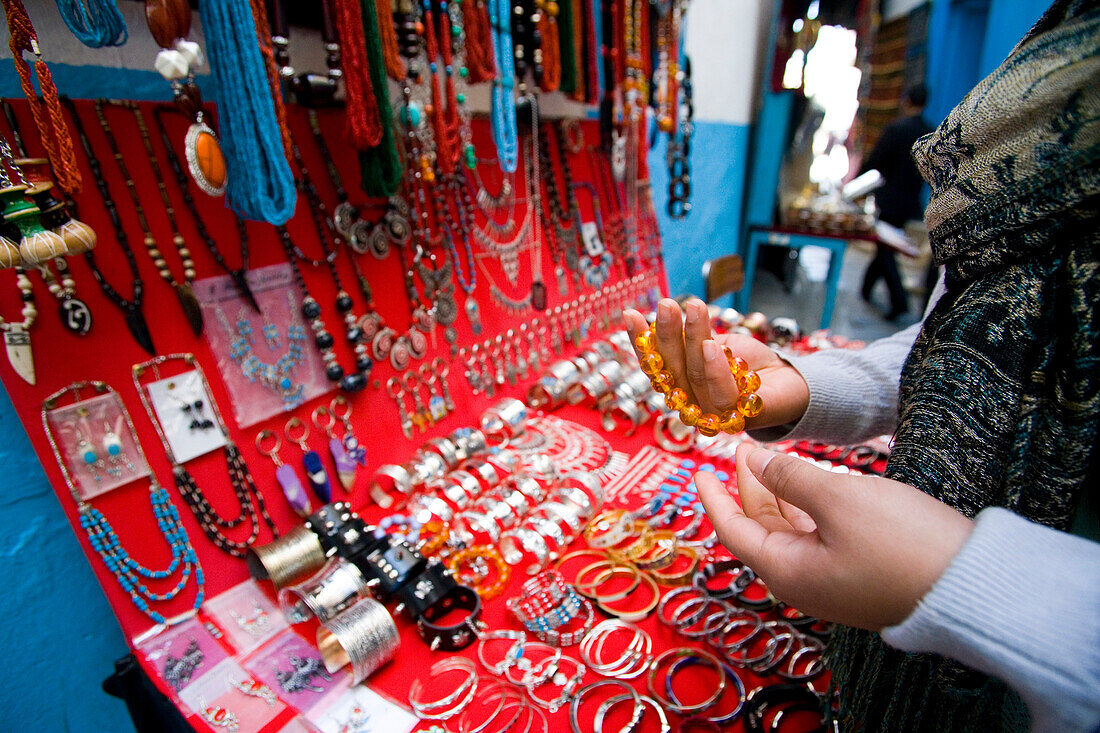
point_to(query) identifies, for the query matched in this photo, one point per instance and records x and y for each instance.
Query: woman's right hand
(698, 362)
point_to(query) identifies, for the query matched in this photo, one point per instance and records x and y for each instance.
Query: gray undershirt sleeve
(1020, 602)
(853, 393)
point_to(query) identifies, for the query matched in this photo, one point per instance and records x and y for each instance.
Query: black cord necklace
(238, 275)
(357, 380)
(131, 308)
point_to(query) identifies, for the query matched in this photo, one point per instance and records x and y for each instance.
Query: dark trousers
(885, 266)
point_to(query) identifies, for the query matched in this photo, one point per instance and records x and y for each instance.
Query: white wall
(723, 39)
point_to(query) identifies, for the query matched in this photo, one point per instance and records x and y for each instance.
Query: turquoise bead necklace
(131, 574)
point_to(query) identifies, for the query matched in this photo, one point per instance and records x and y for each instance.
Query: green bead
(471, 157)
(456, 30)
(412, 115)
(461, 98)
(463, 72)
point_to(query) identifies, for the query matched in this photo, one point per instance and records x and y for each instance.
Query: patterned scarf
(1000, 397)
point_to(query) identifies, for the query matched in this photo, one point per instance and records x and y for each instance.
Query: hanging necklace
(130, 574)
(311, 311)
(505, 133)
(346, 221)
(534, 194)
(53, 216)
(17, 337)
(322, 223)
(239, 275)
(131, 308)
(213, 525)
(561, 232)
(184, 290)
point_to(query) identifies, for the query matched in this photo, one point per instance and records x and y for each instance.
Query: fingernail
(691, 311)
(664, 312)
(758, 460)
(711, 352)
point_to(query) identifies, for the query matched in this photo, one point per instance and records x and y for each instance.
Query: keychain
(293, 490)
(421, 417)
(355, 450)
(437, 406)
(441, 371)
(311, 460)
(324, 420)
(393, 387)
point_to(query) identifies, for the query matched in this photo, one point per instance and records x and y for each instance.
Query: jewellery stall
(369, 450)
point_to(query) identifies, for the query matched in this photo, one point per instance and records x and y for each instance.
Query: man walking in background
(899, 199)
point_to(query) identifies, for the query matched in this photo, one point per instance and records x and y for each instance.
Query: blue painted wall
(58, 633)
(719, 154)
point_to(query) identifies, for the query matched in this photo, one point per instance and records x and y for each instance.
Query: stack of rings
(749, 404)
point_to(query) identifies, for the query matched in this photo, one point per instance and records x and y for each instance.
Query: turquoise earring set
(112, 459)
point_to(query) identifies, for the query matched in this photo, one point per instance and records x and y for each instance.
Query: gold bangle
(640, 614)
(680, 577)
(641, 544)
(661, 553)
(606, 529)
(607, 570)
(601, 554)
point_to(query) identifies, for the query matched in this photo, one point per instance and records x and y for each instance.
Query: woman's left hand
(858, 550)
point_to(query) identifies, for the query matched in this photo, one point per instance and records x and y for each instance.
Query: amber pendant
(205, 159)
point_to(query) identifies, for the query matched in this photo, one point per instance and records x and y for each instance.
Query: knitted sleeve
(853, 393)
(1021, 602)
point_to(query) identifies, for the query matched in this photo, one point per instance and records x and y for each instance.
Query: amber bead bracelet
(749, 404)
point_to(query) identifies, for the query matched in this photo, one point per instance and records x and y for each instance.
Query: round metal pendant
(398, 225)
(75, 316)
(358, 236)
(399, 354)
(344, 216)
(446, 310)
(383, 343)
(418, 343)
(378, 242)
(425, 321)
(370, 324)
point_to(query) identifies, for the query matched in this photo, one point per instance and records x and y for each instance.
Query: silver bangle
(513, 655)
(332, 590)
(569, 513)
(451, 704)
(470, 523)
(575, 706)
(567, 689)
(364, 636)
(549, 528)
(529, 540)
(606, 705)
(486, 473)
(424, 466)
(446, 450)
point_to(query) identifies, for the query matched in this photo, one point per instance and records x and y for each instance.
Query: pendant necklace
(239, 276)
(131, 574)
(131, 308)
(561, 237)
(357, 380)
(78, 237)
(347, 222)
(178, 61)
(244, 488)
(184, 291)
(17, 337)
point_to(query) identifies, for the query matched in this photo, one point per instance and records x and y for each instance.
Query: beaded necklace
(131, 574)
(131, 308)
(54, 216)
(17, 337)
(548, 49)
(237, 275)
(381, 166)
(244, 488)
(395, 67)
(350, 382)
(46, 111)
(346, 220)
(184, 290)
(505, 133)
(479, 41)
